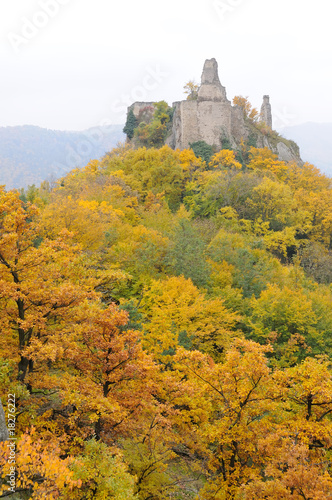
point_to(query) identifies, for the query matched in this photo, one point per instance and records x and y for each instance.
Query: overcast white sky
(72, 64)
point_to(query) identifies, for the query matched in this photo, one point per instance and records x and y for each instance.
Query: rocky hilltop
(211, 117)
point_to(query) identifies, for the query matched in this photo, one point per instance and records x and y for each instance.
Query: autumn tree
(44, 283)
(236, 415)
(299, 463)
(111, 371)
(213, 190)
(101, 473)
(265, 160)
(191, 90)
(177, 313)
(154, 133)
(40, 469)
(154, 171)
(286, 318)
(38, 280)
(248, 111)
(273, 202)
(42, 472)
(252, 267)
(224, 158)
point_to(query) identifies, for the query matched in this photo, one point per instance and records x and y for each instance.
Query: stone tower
(210, 117)
(266, 113)
(211, 88)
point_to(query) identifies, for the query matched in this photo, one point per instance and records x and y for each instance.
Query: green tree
(153, 134)
(253, 267)
(130, 125)
(186, 256)
(287, 319)
(202, 150)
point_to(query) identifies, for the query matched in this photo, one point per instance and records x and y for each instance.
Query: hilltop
(207, 119)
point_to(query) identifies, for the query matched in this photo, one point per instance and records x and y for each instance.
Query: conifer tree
(130, 125)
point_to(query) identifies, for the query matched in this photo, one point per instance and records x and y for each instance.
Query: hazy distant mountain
(29, 154)
(315, 141)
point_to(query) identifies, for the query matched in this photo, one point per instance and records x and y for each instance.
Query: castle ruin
(210, 117)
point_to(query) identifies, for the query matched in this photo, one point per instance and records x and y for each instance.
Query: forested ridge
(167, 329)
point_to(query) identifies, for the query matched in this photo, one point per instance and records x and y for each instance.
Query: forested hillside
(29, 154)
(167, 329)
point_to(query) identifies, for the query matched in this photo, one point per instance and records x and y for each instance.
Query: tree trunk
(23, 367)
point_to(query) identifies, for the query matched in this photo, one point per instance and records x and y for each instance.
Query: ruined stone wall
(137, 107)
(211, 117)
(185, 124)
(206, 121)
(214, 121)
(239, 129)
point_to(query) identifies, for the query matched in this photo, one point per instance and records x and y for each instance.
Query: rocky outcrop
(286, 150)
(287, 153)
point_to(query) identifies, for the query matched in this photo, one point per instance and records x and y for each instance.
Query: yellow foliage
(263, 159)
(176, 306)
(189, 161)
(88, 220)
(39, 467)
(318, 206)
(279, 241)
(225, 158)
(273, 202)
(221, 274)
(307, 177)
(248, 111)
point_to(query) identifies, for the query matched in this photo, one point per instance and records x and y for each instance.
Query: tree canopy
(166, 326)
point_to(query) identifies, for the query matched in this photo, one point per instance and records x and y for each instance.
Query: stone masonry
(212, 118)
(209, 118)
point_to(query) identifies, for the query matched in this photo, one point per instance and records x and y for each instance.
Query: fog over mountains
(315, 141)
(30, 154)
